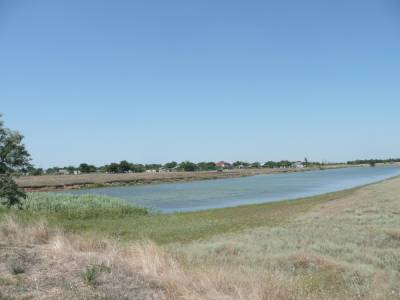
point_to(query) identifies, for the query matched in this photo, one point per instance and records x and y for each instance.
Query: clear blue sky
(153, 81)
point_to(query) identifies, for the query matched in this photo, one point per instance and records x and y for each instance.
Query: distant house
(298, 164)
(151, 171)
(63, 172)
(77, 172)
(223, 164)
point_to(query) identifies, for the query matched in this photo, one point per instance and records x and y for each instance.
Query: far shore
(68, 182)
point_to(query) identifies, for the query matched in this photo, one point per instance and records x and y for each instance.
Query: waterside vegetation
(342, 245)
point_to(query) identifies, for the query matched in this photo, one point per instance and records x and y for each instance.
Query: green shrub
(10, 194)
(89, 275)
(15, 266)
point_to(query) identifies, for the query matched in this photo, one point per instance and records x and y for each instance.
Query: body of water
(199, 195)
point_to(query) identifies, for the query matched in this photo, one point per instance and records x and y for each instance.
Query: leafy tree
(125, 166)
(240, 164)
(52, 170)
(206, 166)
(256, 165)
(35, 171)
(85, 168)
(71, 169)
(14, 158)
(138, 168)
(284, 163)
(171, 165)
(10, 194)
(112, 168)
(13, 155)
(270, 164)
(152, 166)
(188, 166)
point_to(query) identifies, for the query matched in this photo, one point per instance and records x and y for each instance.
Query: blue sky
(153, 81)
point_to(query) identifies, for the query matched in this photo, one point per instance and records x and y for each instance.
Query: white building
(298, 164)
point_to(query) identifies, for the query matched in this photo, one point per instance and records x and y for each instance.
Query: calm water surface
(198, 195)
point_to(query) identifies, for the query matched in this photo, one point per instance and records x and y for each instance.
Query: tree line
(15, 160)
(373, 162)
(128, 167)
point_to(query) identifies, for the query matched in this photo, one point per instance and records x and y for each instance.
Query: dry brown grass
(394, 234)
(13, 232)
(54, 261)
(347, 248)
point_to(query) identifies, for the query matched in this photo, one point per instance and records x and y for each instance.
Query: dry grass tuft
(312, 261)
(394, 234)
(12, 231)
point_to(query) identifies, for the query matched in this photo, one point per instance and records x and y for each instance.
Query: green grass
(105, 217)
(75, 207)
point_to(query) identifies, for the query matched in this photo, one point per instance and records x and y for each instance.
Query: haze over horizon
(156, 81)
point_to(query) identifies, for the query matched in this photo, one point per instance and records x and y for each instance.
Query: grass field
(101, 216)
(343, 245)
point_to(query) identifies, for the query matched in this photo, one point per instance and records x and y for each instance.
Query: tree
(34, 171)
(171, 165)
(270, 164)
(138, 168)
(52, 170)
(125, 166)
(71, 169)
(112, 168)
(188, 166)
(85, 168)
(240, 164)
(13, 155)
(206, 166)
(10, 194)
(152, 167)
(14, 158)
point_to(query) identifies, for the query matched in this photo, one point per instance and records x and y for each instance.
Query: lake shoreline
(49, 183)
(210, 194)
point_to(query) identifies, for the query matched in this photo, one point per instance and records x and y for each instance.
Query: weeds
(15, 266)
(89, 275)
(76, 206)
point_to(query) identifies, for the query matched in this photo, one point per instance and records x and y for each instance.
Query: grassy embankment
(103, 216)
(342, 245)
